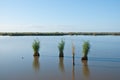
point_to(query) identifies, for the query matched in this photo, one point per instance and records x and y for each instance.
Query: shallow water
(17, 61)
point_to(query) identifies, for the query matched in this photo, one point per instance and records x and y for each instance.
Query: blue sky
(60, 15)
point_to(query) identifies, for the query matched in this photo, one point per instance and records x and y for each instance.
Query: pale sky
(59, 15)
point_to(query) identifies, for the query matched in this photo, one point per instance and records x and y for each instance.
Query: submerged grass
(86, 47)
(61, 48)
(36, 46)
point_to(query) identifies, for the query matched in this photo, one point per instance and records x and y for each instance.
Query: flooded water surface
(17, 61)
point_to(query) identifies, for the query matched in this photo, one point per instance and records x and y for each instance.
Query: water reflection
(73, 70)
(85, 69)
(61, 64)
(36, 64)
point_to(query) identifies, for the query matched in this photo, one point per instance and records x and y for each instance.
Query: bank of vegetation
(57, 33)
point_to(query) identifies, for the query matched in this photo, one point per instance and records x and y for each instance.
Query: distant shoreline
(58, 33)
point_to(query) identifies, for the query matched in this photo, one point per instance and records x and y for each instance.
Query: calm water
(17, 61)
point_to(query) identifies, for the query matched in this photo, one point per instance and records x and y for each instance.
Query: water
(17, 61)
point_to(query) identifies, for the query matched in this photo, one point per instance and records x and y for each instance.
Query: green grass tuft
(61, 46)
(86, 47)
(35, 45)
